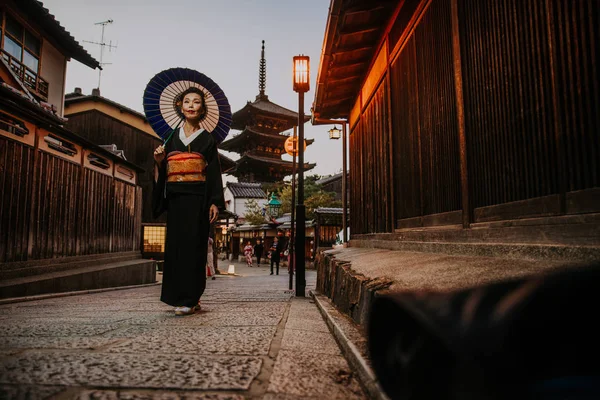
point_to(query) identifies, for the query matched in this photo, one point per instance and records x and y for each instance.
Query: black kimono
(187, 203)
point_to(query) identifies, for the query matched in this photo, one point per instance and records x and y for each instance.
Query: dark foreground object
(536, 338)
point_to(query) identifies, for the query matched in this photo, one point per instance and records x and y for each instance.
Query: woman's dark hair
(179, 101)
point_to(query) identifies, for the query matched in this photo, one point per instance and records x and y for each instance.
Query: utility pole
(102, 45)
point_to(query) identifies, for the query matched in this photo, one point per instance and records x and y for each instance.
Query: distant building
(237, 195)
(333, 184)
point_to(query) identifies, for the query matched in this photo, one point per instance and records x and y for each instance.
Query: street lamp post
(292, 255)
(334, 133)
(301, 86)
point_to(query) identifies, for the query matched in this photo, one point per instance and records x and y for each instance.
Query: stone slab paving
(251, 340)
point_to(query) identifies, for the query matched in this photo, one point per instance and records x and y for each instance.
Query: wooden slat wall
(531, 97)
(530, 87)
(371, 193)
(426, 158)
(125, 232)
(405, 130)
(438, 129)
(575, 33)
(16, 177)
(356, 193)
(55, 226)
(51, 207)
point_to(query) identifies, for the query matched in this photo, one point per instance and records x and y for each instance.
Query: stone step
(577, 230)
(515, 251)
(113, 274)
(36, 267)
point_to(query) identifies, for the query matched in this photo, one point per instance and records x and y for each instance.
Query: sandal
(186, 310)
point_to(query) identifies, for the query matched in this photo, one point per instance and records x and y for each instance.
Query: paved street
(252, 340)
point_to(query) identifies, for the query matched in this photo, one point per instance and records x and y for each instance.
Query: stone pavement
(252, 340)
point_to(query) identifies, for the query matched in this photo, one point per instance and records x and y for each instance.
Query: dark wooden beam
(357, 30)
(333, 80)
(360, 47)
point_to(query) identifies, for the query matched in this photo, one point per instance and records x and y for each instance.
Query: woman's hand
(213, 213)
(159, 154)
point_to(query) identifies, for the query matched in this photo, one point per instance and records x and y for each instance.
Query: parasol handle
(172, 132)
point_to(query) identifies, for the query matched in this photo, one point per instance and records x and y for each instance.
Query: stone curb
(66, 294)
(351, 353)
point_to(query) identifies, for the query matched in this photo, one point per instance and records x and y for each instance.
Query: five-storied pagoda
(261, 141)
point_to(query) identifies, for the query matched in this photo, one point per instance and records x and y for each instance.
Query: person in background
(258, 251)
(276, 250)
(248, 250)
(210, 266)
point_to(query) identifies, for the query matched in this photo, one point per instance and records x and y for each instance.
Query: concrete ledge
(124, 273)
(352, 277)
(39, 267)
(353, 345)
(11, 300)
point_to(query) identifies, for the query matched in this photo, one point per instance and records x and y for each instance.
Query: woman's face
(191, 106)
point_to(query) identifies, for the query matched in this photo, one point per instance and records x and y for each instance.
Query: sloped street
(252, 340)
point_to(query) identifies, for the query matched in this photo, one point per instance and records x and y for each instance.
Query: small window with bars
(98, 161)
(60, 145)
(126, 172)
(154, 239)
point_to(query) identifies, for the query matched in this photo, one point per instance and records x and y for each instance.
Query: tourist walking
(258, 251)
(276, 250)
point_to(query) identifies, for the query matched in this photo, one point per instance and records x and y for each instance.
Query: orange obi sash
(186, 167)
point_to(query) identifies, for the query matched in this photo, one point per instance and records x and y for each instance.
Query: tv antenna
(102, 45)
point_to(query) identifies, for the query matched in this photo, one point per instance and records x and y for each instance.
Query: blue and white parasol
(164, 90)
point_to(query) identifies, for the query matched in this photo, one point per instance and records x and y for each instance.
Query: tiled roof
(250, 134)
(263, 105)
(274, 161)
(246, 190)
(329, 210)
(329, 179)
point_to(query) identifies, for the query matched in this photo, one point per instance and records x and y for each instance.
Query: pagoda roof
(262, 105)
(252, 135)
(267, 161)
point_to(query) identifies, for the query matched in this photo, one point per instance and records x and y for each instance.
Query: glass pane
(14, 28)
(32, 43)
(12, 48)
(30, 61)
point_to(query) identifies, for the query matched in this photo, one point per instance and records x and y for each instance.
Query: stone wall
(351, 292)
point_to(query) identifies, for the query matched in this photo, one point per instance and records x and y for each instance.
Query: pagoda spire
(262, 75)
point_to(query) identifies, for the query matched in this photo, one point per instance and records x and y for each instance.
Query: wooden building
(106, 122)
(63, 199)
(476, 115)
(261, 140)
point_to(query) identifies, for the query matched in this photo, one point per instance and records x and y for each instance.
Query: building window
(154, 239)
(13, 126)
(127, 172)
(61, 145)
(21, 50)
(98, 161)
